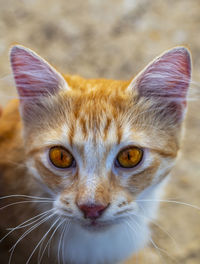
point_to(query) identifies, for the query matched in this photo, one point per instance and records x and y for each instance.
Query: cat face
(98, 145)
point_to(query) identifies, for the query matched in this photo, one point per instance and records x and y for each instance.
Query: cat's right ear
(34, 77)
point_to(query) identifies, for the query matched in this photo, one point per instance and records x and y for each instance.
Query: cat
(83, 162)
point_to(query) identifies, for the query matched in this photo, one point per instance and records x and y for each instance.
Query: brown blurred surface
(115, 39)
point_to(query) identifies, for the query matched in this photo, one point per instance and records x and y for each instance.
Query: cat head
(98, 144)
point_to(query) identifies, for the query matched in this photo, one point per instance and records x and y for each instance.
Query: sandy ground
(116, 39)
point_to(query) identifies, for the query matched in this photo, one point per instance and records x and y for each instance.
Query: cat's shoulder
(10, 129)
(10, 117)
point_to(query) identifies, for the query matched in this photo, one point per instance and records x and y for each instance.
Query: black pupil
(61, 155)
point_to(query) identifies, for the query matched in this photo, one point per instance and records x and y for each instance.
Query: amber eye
(130, 157)
(60, 157)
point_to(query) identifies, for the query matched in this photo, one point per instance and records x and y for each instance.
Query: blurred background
(116, 39)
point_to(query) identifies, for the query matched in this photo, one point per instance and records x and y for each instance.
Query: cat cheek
(62, 206)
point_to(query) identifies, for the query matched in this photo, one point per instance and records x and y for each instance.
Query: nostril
(92, 211)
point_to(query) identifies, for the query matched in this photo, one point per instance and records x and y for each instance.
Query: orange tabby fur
(14, 176)
(90, 109)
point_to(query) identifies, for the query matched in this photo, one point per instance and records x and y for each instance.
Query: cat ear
(34, 77)
(166, 80)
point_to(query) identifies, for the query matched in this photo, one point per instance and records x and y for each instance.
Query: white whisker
(157, 249)
(49, 241)
(170, 201)
(153, 243)
(162, 250)
(60, 242)
(25, 196)
(156, 224)
(23, 202)
(66, 230)
(130, 226)
(41, 240)
(24, 224)
(26, 233)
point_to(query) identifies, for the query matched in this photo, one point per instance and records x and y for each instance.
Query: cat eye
(61, 158)
(129, 157)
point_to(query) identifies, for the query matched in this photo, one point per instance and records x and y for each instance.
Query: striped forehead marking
(80, 130)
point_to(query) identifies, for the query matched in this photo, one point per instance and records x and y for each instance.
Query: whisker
(39, 216)
(131, 227)
(159, 226)
(26, 233)
(25, 196)
(162, 250)
(129, 224)
(22, 202)
(60, 243)
(157, 249)
(49, 241)
(170, 201)
(66, 230)
(41, 240)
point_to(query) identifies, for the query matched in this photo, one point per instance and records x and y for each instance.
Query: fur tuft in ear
(166, 80)
(34, 77)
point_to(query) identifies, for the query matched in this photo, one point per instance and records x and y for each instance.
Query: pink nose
(92, 211)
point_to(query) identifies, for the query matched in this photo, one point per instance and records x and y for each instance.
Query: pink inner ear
(168, 77)
(34, 77)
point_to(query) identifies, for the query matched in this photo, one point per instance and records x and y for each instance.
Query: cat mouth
(95, 225)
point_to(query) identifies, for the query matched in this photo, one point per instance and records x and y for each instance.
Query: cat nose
(92, 211)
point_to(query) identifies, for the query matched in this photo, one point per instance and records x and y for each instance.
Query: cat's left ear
(34, 77)
(165, 81)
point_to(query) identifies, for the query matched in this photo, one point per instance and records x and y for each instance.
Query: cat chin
(99, 225)
(96, 226)
(112, 246)
(119, 241)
